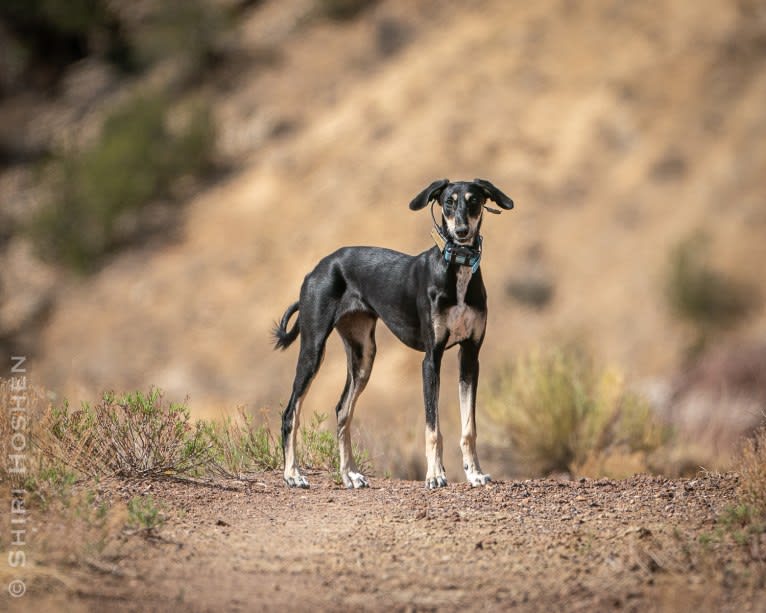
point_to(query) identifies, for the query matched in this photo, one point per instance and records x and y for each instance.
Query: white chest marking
(460, 321)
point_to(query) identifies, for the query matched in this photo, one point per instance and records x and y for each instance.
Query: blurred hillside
(620, 129)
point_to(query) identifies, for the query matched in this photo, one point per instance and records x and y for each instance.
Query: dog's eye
(474, 205)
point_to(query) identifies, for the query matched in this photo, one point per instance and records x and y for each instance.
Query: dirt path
(531, 545)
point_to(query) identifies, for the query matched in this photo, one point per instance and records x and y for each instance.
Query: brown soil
(642, 544)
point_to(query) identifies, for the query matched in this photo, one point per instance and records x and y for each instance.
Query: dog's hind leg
(308, 364)
(469, 378)
(314, 334)
(358, 333)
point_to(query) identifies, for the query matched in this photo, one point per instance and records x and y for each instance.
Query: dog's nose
(462, 231)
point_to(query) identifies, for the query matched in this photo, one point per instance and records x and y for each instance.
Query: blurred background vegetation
(170, 170)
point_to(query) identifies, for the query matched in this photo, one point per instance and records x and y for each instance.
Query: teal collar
(462, 255)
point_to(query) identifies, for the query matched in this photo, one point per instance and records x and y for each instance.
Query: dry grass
(752, 470)
(743, 522)
(319, 450)
(562, 414)
(69, 520)
(24, 408)
(238, 445)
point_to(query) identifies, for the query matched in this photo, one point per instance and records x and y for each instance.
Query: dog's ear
(429, 193)
(494, 194)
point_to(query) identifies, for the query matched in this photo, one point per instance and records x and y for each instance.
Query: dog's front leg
(435, 475)
(469, 379)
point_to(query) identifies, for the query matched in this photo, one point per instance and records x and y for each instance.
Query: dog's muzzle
(455, 253)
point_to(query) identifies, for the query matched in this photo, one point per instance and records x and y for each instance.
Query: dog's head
(462, 204)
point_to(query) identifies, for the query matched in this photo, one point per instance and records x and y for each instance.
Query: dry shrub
(562, 414)
(45, 481)
(744, 521)
(135, 435)
(142, 435)
(238, 445)
(23, 416)
(751, 466)
(70, 520)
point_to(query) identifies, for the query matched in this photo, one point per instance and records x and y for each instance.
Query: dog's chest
(460, 321)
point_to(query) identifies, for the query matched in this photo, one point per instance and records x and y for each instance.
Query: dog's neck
(459, 255)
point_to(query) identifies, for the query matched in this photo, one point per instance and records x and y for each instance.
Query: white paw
(435, 482)
(354, 480)
(296, 480)
(476, 479)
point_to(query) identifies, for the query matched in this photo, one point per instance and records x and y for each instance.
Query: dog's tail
(282, 337)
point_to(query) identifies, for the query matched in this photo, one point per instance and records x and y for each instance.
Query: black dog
(430, 301)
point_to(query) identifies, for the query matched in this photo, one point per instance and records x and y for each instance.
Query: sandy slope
(618, 128)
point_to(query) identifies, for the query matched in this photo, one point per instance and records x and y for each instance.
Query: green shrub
(190, 29)
(136, 160)
(145, 514)
(319, 450)
(238, 445)
(561, 414)
(531, 289)
(53, 481)
(342, 10)
(135, 435)
(54, 33)
(743, 522)
(76, 17)
(699, 294)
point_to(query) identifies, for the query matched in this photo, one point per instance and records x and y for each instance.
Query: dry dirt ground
(643, 544)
